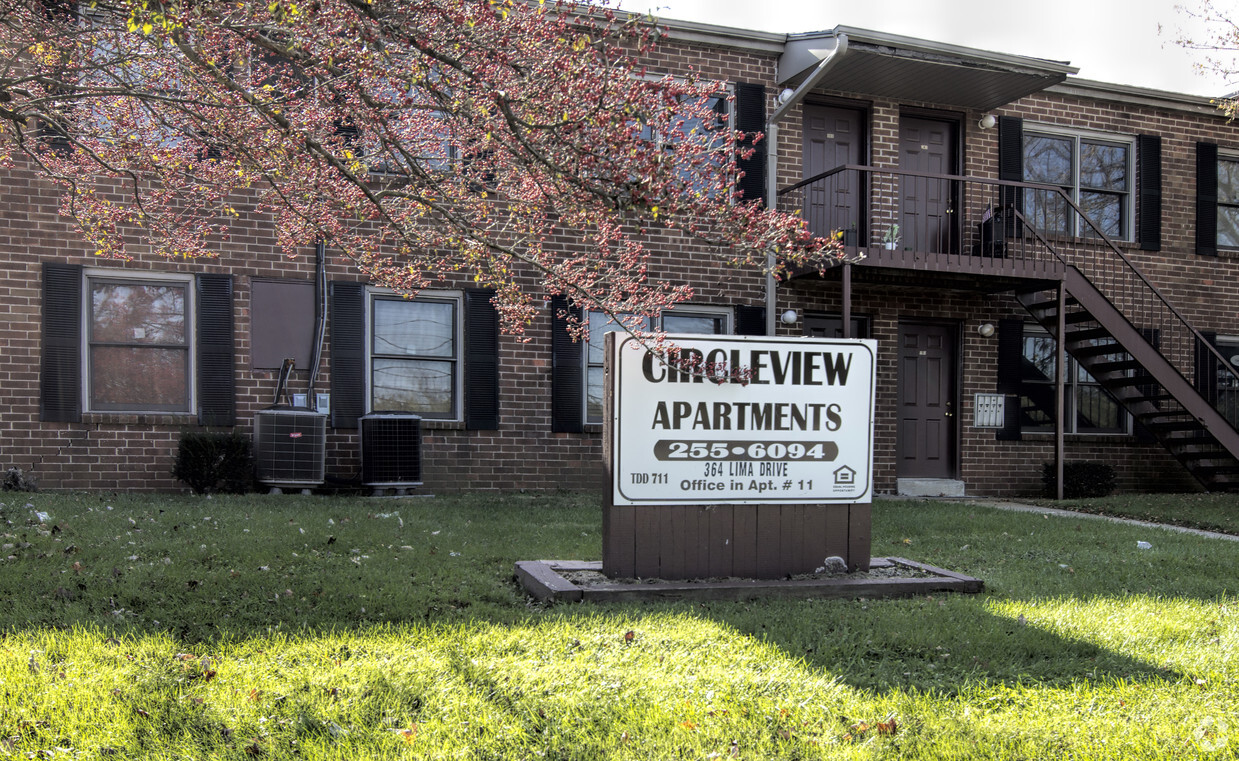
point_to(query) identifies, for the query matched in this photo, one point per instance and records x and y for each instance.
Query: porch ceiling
(910, 69)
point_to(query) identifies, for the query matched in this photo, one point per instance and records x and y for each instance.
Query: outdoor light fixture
(786, 95)
(790, 317)
(987, 122)
(986, 329)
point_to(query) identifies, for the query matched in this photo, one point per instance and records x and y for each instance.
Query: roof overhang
(910, 69)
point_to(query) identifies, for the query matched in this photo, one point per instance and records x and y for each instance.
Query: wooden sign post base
(736, 457)
(742, 541)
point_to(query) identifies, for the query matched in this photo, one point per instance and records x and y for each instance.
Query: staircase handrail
(1097, 234)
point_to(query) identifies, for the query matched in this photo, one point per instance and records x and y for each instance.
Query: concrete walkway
(1018, 507)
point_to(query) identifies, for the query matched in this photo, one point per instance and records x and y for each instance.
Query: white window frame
(690, 310)
(683, 310)
(1232, 158)
(458, 333)
(1128, 232)
(1070, 397)
(1228, 347)
(92, 275)
(728, 96)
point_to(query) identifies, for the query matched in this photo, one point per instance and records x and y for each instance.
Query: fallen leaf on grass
(861, 728)
(629, 635)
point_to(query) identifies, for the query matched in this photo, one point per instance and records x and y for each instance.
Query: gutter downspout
(320, 320)
(772, 160)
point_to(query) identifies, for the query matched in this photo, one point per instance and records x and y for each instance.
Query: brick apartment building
(996, 201)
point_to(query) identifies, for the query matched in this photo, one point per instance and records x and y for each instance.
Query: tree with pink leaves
(517, 144)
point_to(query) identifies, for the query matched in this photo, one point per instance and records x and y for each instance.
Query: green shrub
(214, 462)
(15, 479)
(1080, 479)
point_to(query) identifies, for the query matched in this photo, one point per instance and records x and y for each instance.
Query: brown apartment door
(926, 438)
(927, 205)
(833, 137)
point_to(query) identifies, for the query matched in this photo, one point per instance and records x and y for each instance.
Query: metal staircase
(1138, 347)
(1033, 239)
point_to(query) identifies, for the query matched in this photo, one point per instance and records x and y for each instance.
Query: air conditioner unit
(290, 447)
(391, 451)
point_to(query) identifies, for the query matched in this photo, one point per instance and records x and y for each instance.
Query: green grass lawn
(1212, 512)
(289, 627)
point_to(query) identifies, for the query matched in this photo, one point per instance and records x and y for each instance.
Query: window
(1227, 386)
(138, 344)
(1095, 171)
(1089, 407)
(682, 125)
(1228, 202)
(414, 355)
(710, 321)
(703, 320)
(123, 62)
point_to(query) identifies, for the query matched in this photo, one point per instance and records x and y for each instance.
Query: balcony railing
(923, 220)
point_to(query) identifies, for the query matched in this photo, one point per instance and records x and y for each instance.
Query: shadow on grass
(1066, 600)
(215, 571)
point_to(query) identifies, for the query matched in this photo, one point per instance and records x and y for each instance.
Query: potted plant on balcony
(891, 239)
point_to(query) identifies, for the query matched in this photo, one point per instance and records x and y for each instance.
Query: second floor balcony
(949, 224)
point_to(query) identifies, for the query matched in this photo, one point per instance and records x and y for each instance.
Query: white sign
(792, 424)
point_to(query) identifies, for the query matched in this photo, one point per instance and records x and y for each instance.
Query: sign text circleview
(797, 429)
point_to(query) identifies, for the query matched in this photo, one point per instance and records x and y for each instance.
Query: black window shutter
(1206, 367)
(60, 379)
(751, 117)
(750, 320)
(1010, 364)
(481, 361)
(217, 403)
(1011, 167)
(1206, 199)
(1149, 176)
(567, 372)
(1011, 148)
(348, 353)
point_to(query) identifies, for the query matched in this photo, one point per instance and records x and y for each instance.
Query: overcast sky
(1109, 40)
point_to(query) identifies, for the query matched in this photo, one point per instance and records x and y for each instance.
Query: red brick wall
(136, 451)
(1204, 289)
